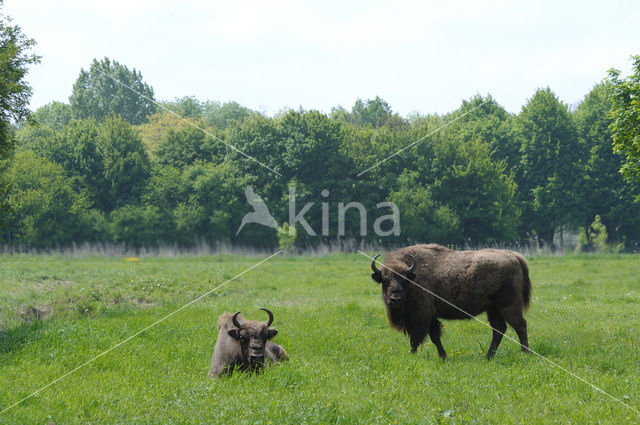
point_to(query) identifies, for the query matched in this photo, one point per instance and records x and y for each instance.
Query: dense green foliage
(42, 203)
(549, 162)
(148, 176)
(55, 115)
(602, 191)
(625, 128)
(15, 58)
(107, 88)
(490, 177)
(346, 365)
(213, 113)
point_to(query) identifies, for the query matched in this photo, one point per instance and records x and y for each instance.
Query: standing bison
(244, 345)
(452, 284)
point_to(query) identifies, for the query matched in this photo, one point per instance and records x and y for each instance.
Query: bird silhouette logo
(260, 214)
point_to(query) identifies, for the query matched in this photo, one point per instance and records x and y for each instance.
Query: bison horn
(270, 321)
(373, 265)
(235, 320)
(412, 267)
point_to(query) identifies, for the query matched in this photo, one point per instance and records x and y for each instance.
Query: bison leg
(515, 318)
(435, 331)
(416, 338)
(499, 325)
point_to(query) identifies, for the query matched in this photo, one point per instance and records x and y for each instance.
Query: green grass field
(346, 365)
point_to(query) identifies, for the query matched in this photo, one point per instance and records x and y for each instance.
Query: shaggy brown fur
(246, 347)
(495, 281)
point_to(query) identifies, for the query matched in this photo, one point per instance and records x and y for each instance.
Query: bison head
(395, 277)
(253, 336)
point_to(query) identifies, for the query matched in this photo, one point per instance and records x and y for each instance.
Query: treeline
(111, 166)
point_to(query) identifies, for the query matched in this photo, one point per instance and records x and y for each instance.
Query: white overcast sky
(422, 56)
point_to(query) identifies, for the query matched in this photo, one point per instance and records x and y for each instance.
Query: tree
(15, 58)
(55, 115)
(187, 106)
(625, 111)
(199, 201)
(136, 225)
(166, 190)
(594, 238)
(452, 191)
(604, 190)
(81, 157)
(215, 196)
(548, 175)
(423, 218)
(491, 123)
(259, 138)
(126, 164)
(477, 188)
(186, 146)
(374, 113)
(156, 129)
(44, 208)
(96, 95)
(221, 116)
(312, 148)
(36, 137)
(75, 148)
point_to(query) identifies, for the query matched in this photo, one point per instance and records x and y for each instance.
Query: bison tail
(526, 288)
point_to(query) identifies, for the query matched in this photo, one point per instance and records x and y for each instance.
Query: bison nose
(257, 358)
(395, 299)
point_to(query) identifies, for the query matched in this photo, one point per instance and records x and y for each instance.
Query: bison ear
(377, 276)
(271, 333)
(234, 333)
(411, 276)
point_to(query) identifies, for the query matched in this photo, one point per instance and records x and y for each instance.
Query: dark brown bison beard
(402, 319)
(397, 316)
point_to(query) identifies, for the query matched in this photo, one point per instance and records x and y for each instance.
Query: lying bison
(244, 345)
(451, 284)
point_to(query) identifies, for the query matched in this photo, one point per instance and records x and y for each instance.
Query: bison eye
(244, 338)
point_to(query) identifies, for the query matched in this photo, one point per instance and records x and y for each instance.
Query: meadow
(346, 365)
